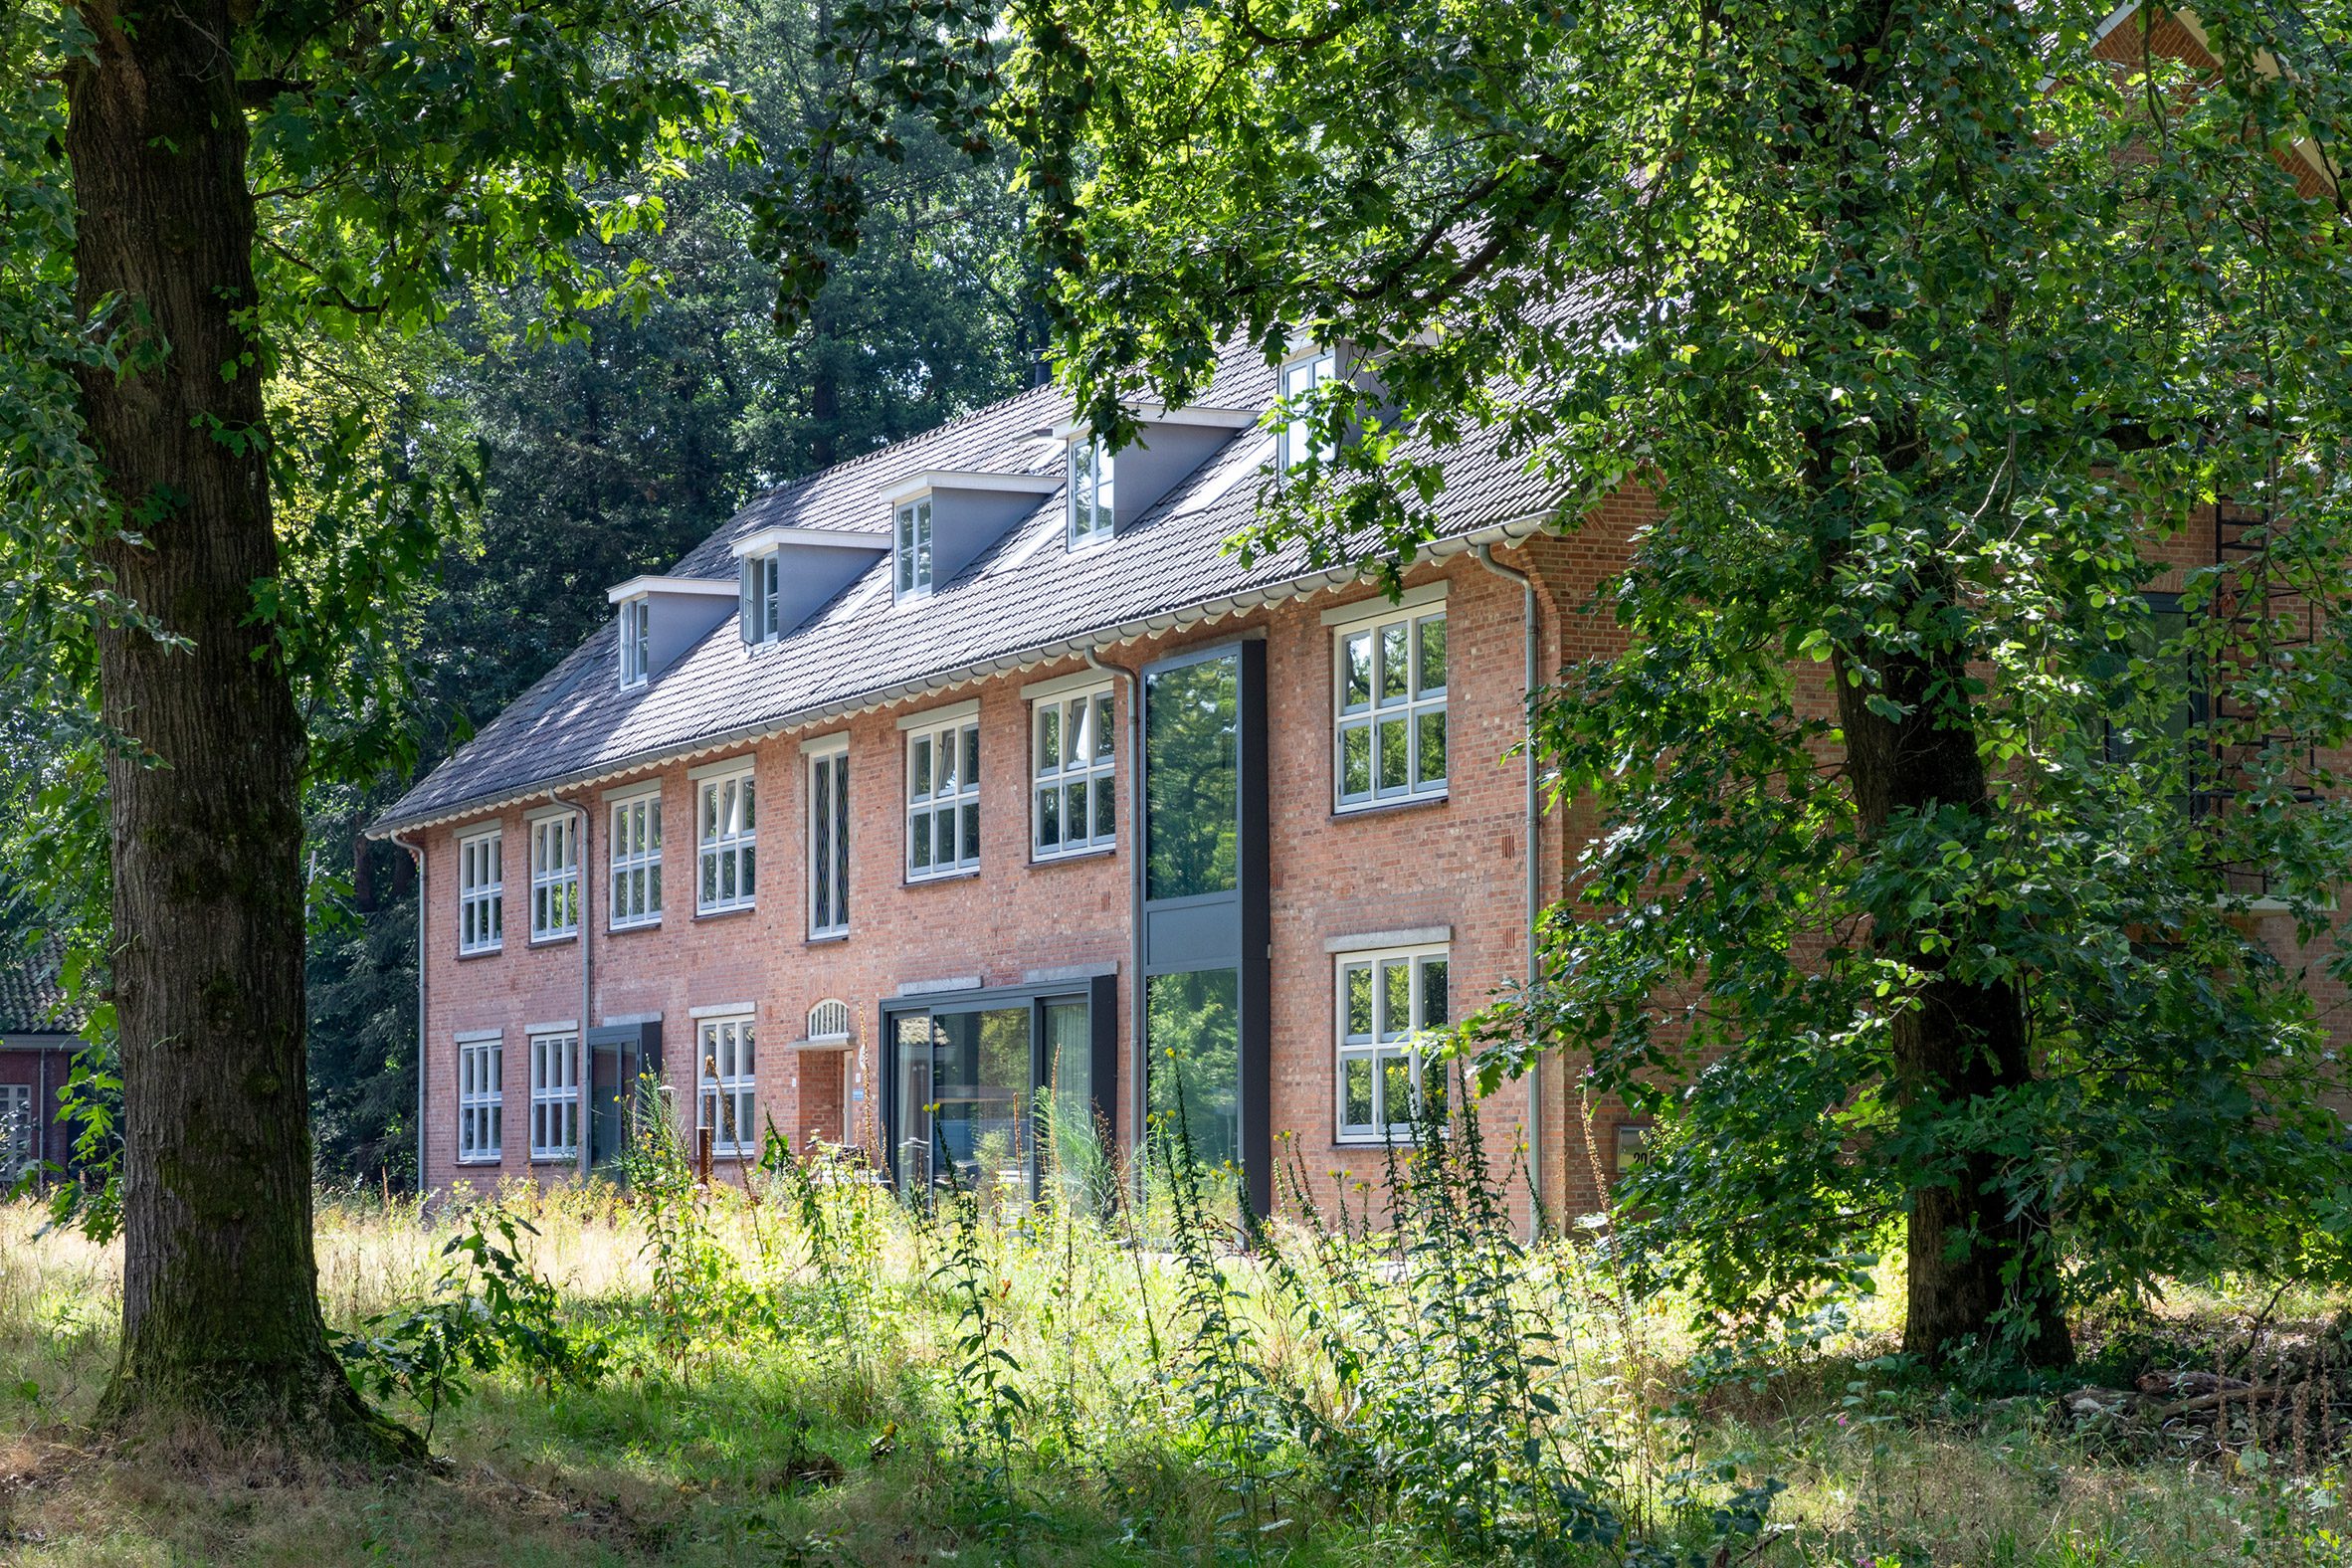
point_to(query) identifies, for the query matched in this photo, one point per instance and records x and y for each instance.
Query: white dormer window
(913, 532)
(1300, 377)
(637, 641)
(1089, 492)
(762, 594)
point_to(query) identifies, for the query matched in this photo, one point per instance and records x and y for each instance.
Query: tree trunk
(1970, 1260)
(220, 1315)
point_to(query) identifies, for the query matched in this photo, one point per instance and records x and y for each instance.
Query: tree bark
(1970, 1261)
(220, 1316)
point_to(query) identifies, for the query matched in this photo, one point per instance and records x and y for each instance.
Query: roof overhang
(929, 479)
(639, 587)
(760, 540)
(1159, 414)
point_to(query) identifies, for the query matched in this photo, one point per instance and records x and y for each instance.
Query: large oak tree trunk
(1970, 1260)
(221, 1320)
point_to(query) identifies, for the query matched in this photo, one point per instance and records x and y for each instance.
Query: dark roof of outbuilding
(1025, 600)
(31, 998)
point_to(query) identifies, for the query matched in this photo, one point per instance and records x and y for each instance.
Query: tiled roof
(1024, 600)
(32, 1001)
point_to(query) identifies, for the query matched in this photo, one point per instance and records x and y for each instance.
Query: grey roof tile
(32, 997)
(1007, 607)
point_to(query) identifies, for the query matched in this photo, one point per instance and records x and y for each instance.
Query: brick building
(38, 1035)
(835, 824)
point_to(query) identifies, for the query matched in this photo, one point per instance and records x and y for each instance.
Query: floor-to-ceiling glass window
(992, 1094)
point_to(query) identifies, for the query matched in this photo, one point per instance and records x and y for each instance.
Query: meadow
(796, 1368)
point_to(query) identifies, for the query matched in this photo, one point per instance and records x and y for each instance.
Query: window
(726, 1075)
(913, 536)
(943, 800)
(1073, 800)
(828, 1021)
(1089, 492)
(1386, 1001)
(1296, 441)
(636, 861)
(1390, 728)
(730, 866)
(555, 877)
(481, 1100)
(555, 1096)
(829, 842)
(637, 641)
(481, 893)
(760, 616)
(17, 1130)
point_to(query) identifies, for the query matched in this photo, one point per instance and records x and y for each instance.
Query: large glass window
(555, 1096)
(481, 889)
(1386, 1001)
(1192, 716)
(1073, 804)
(730, 844)
(727, 1107)
(636, 861)
(990, 1097)
(1073, 1144)
(1390, 725)
(17, 1130)
(1090, 472)
(829, 842)
(1192, 1022)
(943, 799)
(481, 1100)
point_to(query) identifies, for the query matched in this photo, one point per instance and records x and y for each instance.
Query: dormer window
(1300, 377)
(913, 532)
(636, 641)
(1089, 492)
(763, 585)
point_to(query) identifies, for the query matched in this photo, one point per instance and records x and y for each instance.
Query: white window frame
(910, 548)
(1298, 378)
(1092, 476)
(1380, 717)
(555, 1096)
(555, 877)
(637, 641)
(1057, 777)
(760, 592)
(481, 1100)
(19, 1131)
(828, 774)
(1378, 1042)
(728, 1044)
(482, 891)
(634, 853)
(726, 823)
(932, 797)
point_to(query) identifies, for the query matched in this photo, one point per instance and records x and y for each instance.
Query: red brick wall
(42, 1069)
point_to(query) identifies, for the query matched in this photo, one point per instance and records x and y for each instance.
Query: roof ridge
(888, 448)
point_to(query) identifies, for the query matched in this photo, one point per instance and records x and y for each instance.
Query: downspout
(1485, 555)
(587, 982)
(1137, 1055)
(424, 913)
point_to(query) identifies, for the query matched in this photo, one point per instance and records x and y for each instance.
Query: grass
(799, 1383)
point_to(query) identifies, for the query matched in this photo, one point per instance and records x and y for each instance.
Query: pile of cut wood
(2293, 1403)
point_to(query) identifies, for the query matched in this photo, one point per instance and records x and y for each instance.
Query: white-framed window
(555, 1096)
(724, 1064)
(1073, 800)
(729, 857)
(1386, 1000)
(828, 1021)
(482, 891)
(911, 531)
(555, 877)
(1389, 727)
(943, 799)
(18, 1131)
(637, 641)
(481, 1100)
(759, 616)
(829, 841)
(636, 861)
(1090, 476)
(1296, 442)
